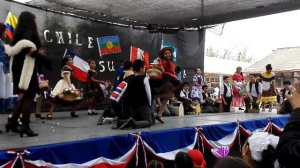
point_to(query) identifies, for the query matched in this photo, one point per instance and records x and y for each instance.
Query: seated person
(253, 95)
(286, 89)
(286, 107)
(207, 102)
(185, 98)
(138, 95)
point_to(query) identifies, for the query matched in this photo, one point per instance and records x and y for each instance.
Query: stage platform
(63, 128)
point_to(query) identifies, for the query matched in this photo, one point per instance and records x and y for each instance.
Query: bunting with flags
(118, 151)
(166, 144)
(108, 152)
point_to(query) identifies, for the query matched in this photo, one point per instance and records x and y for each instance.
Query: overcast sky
(260, 35)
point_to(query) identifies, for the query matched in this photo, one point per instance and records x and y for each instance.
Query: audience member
(231, 162)
(289, 143)
(178, 73)
(183, 160)
(155, 164)
(260, 150)
(286, 89)
(198, 158)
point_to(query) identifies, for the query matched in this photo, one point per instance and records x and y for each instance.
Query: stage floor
(63, 128)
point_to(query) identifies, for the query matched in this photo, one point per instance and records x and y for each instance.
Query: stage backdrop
(84, 38)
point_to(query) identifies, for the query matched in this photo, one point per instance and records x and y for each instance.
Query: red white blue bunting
(118, 151)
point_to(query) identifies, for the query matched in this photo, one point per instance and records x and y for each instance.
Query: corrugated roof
(222, 66)
(282, 60)
(175, 14)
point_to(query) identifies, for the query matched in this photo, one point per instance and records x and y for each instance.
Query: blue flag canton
(168, 44)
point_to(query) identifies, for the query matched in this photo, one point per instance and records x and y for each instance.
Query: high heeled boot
(27, 131)
(73, 114)
(12, 126)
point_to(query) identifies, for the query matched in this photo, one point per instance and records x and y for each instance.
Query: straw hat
(155, 62)
(153, 72)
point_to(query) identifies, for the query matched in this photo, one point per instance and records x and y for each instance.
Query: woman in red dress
(170, 82)
(238, 81)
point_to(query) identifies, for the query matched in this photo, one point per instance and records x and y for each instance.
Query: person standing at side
(226, 94)
(198, 82)
(238, 81)
(268, 88)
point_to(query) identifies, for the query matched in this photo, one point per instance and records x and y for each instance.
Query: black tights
(24, 107)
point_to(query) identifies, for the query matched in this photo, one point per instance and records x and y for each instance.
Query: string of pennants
(118, 151)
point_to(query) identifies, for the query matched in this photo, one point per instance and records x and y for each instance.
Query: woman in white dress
(64, 83)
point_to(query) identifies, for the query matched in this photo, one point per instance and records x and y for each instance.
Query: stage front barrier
(136, 149)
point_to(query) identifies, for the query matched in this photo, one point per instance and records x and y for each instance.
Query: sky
(259, 35)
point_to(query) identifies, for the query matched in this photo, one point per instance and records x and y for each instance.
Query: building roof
(222, 66)
(164, 13)
(282, 60)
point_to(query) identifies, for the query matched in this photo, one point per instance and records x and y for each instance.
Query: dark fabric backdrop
(190, 45)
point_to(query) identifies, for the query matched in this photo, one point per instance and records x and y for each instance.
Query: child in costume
(63, 86)
(94, 91)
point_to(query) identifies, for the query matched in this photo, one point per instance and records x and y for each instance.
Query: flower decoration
(221, 152)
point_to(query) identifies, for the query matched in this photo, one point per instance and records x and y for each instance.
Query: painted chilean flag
(137, 53)
(80, 67)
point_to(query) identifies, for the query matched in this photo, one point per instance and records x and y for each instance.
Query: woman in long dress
(198, 82)
(238, 81)
(26, 59)
(268, 88)
(170, 82)
(63, 84)
(93, 92)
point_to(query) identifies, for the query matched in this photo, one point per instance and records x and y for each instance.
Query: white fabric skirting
(6, 86)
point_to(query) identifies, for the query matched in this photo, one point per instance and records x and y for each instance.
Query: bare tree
(210, 52)
(228, 53)
(244, 57)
